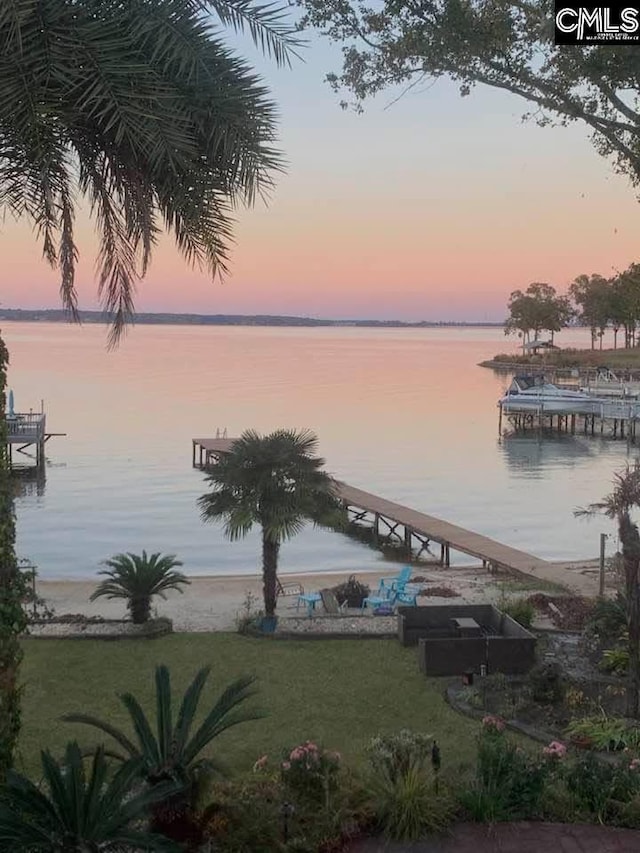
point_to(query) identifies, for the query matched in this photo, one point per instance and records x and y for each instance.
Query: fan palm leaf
(75, 813)
(142, 110)
(175, 751)
(275, 481)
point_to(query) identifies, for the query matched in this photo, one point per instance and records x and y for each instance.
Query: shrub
(249, 615)
(395, 754)
(615, 661)
(404, 789)
(519, 609)
(609, 617)
(509, 783)
(545, 681)
(352, 591)
(599, 787)
(310, 773)
(407, 805)
(604, 733)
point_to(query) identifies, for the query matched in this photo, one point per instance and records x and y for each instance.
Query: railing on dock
(27, 427)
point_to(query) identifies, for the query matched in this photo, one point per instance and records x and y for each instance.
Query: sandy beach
(213, 603)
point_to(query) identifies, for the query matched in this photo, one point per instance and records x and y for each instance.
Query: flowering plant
(491, 723)
(311, 772)
(555, 749)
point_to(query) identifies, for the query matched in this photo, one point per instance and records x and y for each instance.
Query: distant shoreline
(56, 315)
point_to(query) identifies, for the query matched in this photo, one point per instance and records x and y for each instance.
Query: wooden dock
(26, 430)
(393, 522)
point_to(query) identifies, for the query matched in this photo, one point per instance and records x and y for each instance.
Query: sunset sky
(431, 208)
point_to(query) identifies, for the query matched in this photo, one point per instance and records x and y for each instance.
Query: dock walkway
(374, 510)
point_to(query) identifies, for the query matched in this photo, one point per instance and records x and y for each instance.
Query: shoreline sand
(212, 603)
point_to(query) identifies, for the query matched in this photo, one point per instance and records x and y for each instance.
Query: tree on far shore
(537, 309)
(274, 481)
(593, 295)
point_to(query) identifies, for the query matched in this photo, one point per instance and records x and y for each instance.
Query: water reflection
(531, 456)
(29, 482)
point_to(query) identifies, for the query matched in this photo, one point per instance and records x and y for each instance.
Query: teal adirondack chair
(395, 584)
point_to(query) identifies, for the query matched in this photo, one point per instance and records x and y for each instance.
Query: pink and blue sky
(431, 208)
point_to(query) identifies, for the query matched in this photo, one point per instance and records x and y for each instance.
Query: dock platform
(394, 522)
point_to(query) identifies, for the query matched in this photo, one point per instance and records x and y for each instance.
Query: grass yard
(337, 692)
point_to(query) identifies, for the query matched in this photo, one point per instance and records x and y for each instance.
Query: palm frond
(163, 711)
(89, 720)
(188, 708)
(222, 716)
(143, 109)
(268, 23)
(149, 748)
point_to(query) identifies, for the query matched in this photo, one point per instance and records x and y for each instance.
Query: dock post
(193, 454)
(573, 424)
(407, 541)
(499, 418)
(603, 539)
(447, 558)
(376, 527)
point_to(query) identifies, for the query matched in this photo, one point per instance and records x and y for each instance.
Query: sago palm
(76, 813)
(168, 751)
(138, 578)
(277, 482)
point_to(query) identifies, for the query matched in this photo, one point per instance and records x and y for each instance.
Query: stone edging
(148, 631)
(317, 635)
(450, 695)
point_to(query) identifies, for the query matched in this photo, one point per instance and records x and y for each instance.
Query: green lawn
(337, 692)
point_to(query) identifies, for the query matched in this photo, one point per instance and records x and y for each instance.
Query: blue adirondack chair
(397, 583)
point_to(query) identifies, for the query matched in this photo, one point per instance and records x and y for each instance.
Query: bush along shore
(624, 362)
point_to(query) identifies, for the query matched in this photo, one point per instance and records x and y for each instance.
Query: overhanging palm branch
(268, 23)
(79, 813)
(138, 578)
(140, 108)
(174, 752)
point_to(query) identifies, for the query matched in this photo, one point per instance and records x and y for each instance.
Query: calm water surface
(404, 413)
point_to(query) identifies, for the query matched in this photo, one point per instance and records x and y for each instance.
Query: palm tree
(277, 482)
(618, 505)
(79, 814)
(141, 110)
(138, 578)
(174, 752)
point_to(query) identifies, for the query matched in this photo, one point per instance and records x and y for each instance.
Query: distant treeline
(55, 315)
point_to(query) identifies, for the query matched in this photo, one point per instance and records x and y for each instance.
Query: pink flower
(260, 763)
(296, 753)
(286, 765)
(555, 749)
(635, 764)
(494, 723)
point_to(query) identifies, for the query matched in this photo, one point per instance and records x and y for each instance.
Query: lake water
(404, 413)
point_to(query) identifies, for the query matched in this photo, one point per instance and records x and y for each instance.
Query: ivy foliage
(13, 619)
